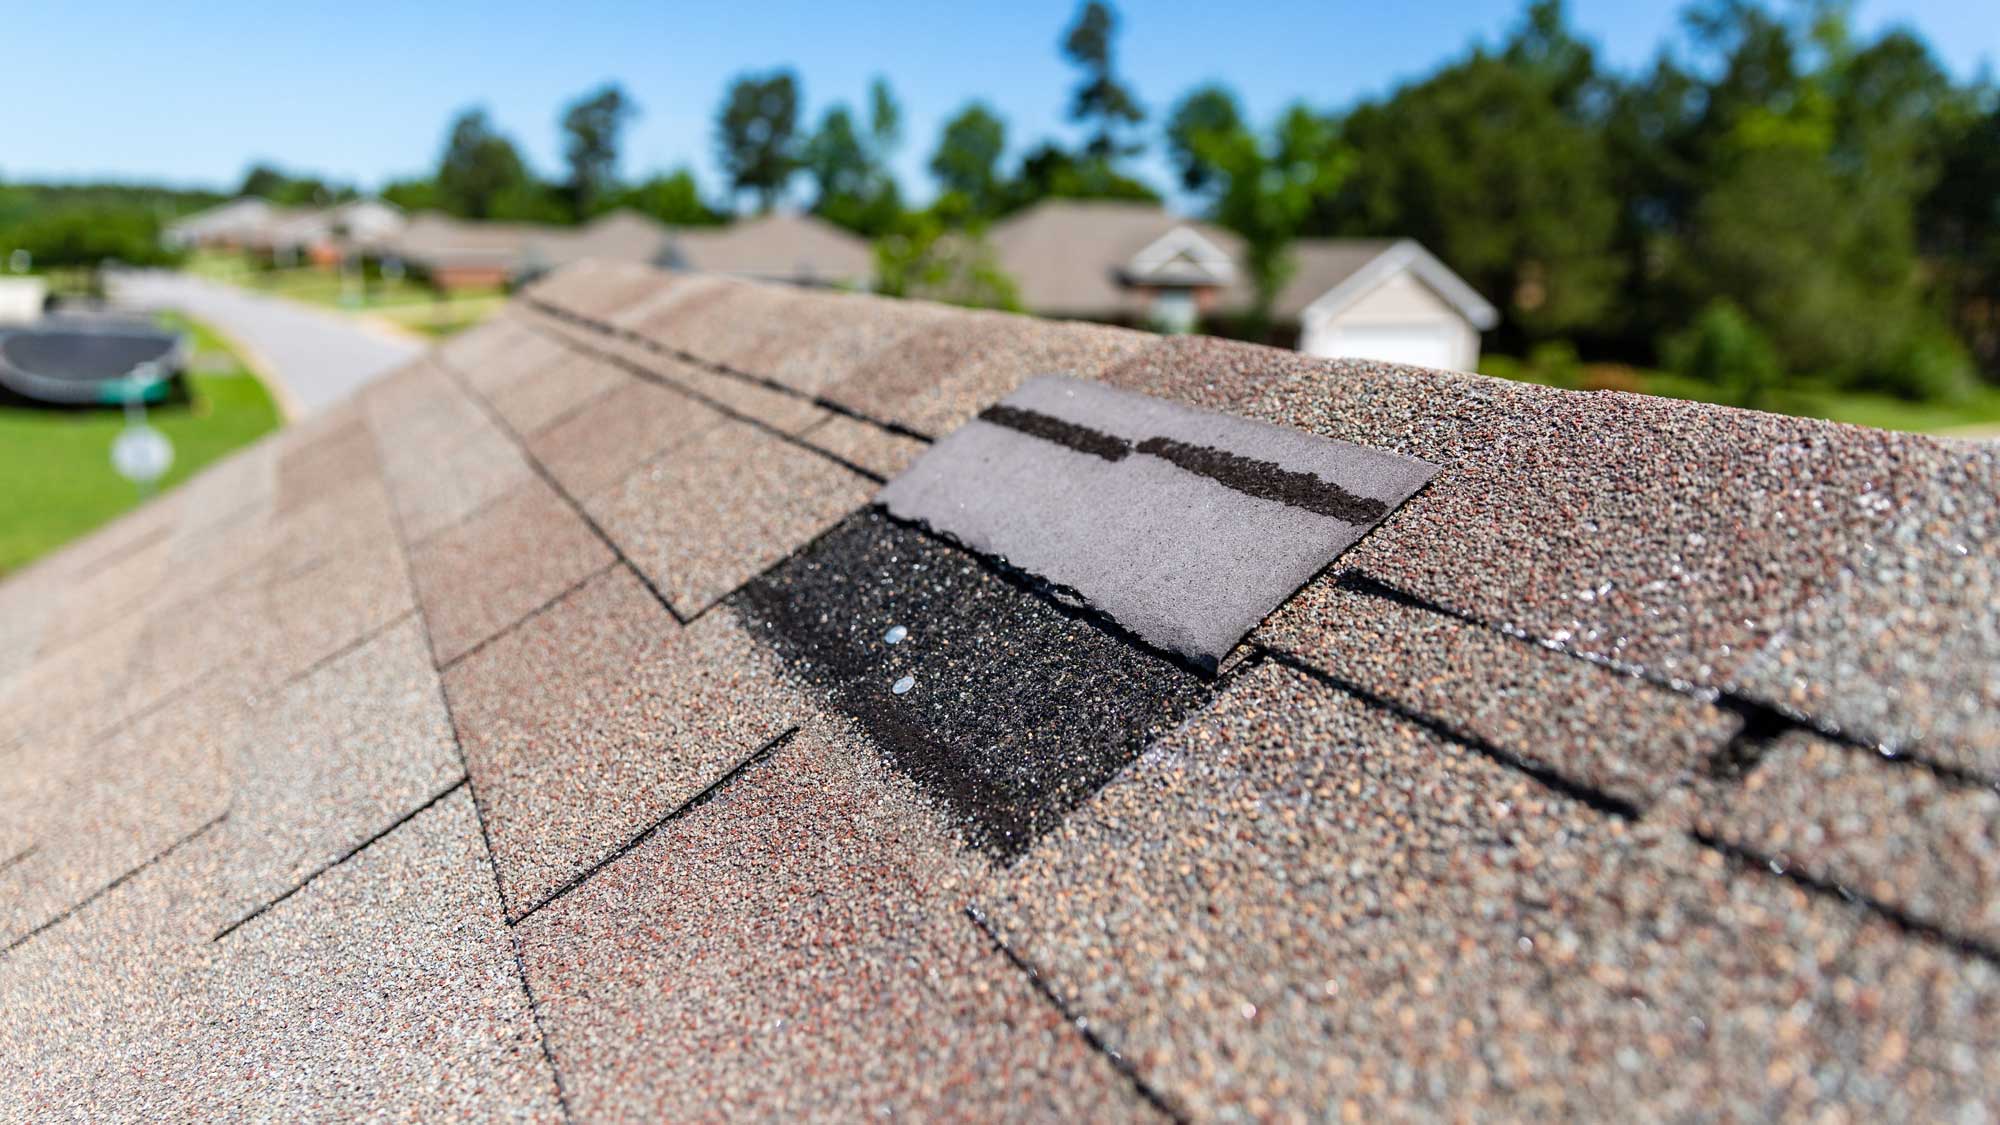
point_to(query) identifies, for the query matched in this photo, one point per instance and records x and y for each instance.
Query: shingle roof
(1066, 258)
(520, 738)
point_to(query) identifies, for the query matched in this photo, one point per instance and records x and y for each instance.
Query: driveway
(317, 355)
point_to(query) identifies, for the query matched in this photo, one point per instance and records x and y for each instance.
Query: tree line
(1773, 196)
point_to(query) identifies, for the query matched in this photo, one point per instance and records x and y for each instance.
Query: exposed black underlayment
(1265, 480)
(1018, 712)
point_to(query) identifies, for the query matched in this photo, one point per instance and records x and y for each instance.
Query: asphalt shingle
(1588, 724)
(701, 519)
(1513, 812)
(792, 949)
(597, 446)
(655, 714)
(481, 576)
(1392, 925)
(1928, 846)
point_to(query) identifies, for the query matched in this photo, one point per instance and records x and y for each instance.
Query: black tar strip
(1265, 480)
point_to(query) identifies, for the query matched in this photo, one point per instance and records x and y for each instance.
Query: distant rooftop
(560, 730)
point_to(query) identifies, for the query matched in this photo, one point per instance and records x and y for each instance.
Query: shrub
(1725, 350)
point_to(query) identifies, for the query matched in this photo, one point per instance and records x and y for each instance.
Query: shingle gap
(343, 858)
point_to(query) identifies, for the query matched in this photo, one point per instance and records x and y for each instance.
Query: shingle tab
(652, 715)
(1926, 845)
(1185, 527)
(1390, 926)
(1593, 726)
(483, 575)
(795, 948)
(703, 518)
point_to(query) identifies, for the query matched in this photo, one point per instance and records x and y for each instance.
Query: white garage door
(1425, 345)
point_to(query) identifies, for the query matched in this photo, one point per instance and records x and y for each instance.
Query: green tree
(1493, 165)
(263, 181)
(1101, 103)
(280, 187)
(1959, 223)
(1048, 171)
(479, 168)
(968, 154)
(1264, 189)
(674, 198)
(412, 194)
(1208, 109)
(941, 254)
(849, 166)
(756, 138)
(591, 126)
(1812, 154)
(835, 157)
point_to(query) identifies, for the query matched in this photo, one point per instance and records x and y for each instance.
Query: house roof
(523, 737)
(780, 246)
(1068, 256)
(1091, 258)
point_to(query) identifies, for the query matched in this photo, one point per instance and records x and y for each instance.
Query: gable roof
(1331, 274)
(1068, 256)
(779, 246)
(1084, 258)
(521, 738)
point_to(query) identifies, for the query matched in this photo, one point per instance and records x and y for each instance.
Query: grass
(57, 463)
(1980, 409)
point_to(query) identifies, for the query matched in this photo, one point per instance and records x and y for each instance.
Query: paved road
(319, 355)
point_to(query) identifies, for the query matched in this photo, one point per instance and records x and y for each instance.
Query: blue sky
(192, 92)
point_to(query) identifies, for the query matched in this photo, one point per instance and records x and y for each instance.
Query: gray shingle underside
(1184, 526)
(1562, 793)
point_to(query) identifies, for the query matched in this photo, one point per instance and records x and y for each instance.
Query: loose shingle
(1184, 526)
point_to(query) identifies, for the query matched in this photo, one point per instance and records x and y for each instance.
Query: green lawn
(1980, 408)
(56, 464)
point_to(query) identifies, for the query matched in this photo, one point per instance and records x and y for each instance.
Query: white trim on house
(1404, 254)
(1211, 265)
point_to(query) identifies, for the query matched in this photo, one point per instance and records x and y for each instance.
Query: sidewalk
(317, 357)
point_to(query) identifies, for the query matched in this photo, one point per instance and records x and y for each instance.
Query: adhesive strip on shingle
(1184, 526)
